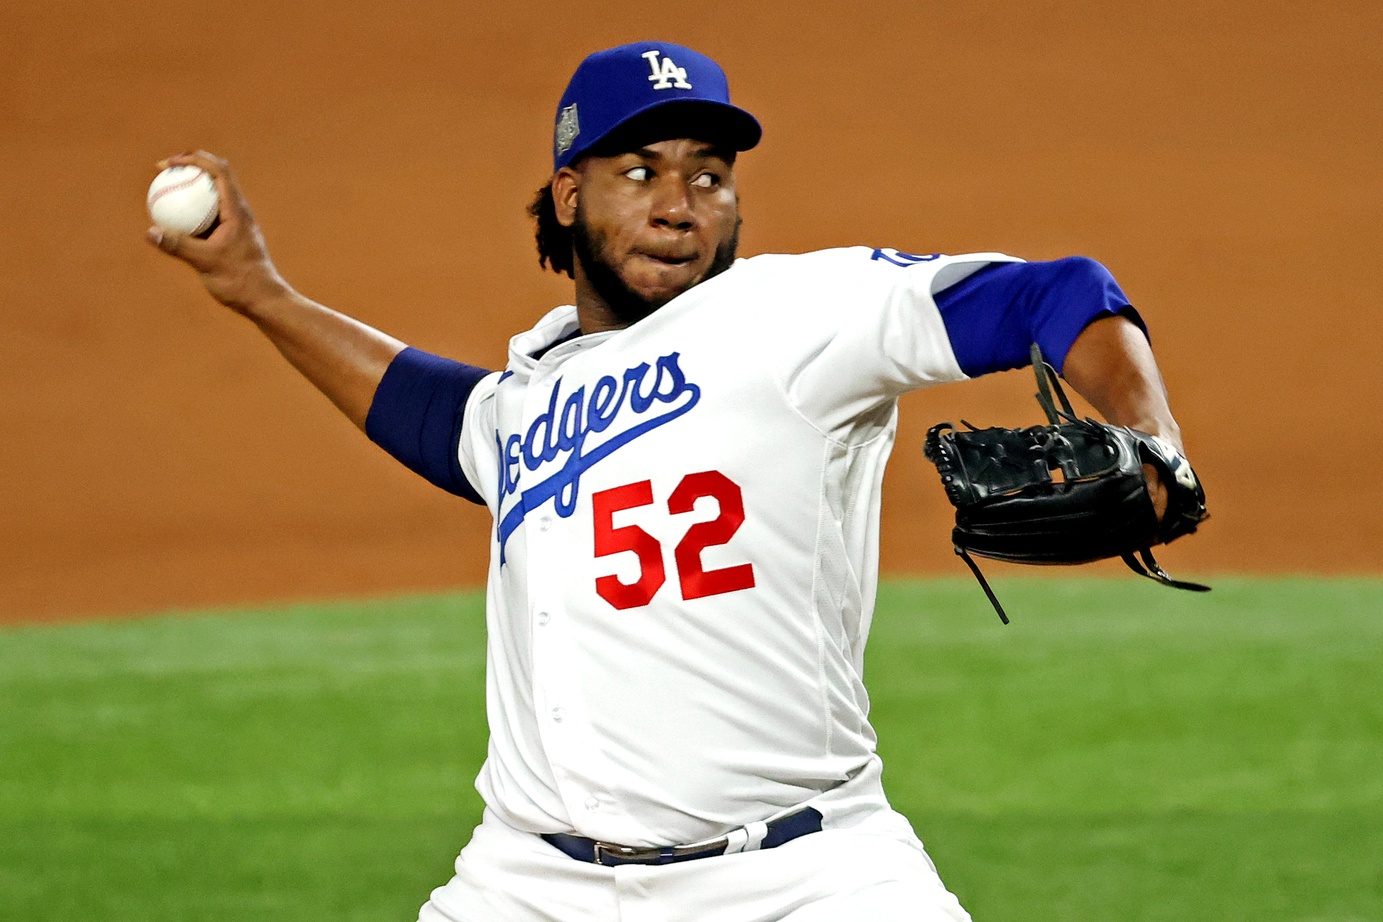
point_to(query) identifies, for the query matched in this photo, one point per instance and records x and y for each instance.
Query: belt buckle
(626, 853)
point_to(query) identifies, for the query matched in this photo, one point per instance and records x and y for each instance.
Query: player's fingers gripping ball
(183, 200)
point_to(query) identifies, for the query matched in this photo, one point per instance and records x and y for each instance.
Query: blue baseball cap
(619, 87)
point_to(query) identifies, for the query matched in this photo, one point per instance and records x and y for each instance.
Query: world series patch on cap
(621, 87)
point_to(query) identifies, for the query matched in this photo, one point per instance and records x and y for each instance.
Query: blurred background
(1220, 158)
(1118, 752)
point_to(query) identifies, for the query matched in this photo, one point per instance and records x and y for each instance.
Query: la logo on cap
(666, 74)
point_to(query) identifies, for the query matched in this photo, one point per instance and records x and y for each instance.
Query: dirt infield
(1223, 161)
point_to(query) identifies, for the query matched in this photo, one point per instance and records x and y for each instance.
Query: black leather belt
(769, 835)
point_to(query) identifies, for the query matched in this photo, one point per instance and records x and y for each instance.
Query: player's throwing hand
(233, 261)
(343, 357)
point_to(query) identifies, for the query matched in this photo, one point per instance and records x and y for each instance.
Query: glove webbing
(1048, 382)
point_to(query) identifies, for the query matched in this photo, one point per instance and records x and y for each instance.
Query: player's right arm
(343, 357)
(408, 402)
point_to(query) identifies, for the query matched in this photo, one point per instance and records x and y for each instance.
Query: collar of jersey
(545, 339)
(556, 334)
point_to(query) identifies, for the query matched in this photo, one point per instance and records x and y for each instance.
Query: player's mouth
(669, 259)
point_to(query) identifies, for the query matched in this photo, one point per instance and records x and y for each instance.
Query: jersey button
(557, 715)
(543, 618)
(592, 803)
(545, 523)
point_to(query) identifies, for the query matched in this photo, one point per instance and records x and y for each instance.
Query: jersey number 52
(696, 581)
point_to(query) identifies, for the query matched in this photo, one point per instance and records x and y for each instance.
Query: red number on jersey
(698, 582)
(612, 540)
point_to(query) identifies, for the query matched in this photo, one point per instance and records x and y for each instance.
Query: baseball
(183, 199)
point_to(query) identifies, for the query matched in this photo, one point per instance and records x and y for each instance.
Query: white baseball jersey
(686, 543)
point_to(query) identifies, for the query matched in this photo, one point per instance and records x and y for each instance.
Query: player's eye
(706, 181)
(638, 173)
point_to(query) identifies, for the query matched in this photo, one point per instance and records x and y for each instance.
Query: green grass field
(1121, 752)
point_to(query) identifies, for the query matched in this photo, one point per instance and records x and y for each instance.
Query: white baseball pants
(505, 875)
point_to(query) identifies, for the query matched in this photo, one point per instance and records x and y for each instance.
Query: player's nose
(672, 206)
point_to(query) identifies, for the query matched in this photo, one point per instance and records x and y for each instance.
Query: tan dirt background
(1221, 158)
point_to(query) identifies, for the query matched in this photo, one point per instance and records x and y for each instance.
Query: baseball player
(684, 469)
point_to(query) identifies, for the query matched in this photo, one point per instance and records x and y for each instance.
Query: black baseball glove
(1069, 492)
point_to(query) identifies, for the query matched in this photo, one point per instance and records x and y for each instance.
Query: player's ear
(566, 184)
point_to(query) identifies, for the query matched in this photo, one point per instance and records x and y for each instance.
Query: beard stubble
(628, 306)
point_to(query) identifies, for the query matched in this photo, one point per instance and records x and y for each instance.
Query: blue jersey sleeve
(995, 315)
(416, 416)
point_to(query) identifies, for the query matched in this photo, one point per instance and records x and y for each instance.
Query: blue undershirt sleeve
(995, 315)
(416, 416)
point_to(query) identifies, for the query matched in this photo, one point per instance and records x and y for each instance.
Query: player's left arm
(1084, 323)
(1111, 365)
(1087, 329)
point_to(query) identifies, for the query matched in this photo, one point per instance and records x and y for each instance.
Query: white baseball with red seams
(183, 200)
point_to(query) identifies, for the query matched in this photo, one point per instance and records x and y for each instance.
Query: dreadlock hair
(554, 240)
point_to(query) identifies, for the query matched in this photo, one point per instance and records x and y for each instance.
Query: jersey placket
(563, 722)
